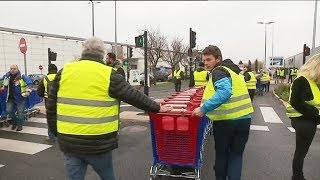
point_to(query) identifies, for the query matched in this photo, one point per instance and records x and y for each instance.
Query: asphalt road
(268, 153)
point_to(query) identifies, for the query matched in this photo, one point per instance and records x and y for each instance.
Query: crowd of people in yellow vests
(85, 120)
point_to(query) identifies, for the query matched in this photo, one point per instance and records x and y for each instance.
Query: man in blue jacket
(227, 103)
(17, 87)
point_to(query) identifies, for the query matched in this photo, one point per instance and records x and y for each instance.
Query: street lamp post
(265, 40)
(314, 26)
(92, 12)
(115, 28)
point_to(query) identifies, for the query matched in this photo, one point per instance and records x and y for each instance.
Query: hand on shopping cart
(165, 108)
(26, 94)
(197, 112)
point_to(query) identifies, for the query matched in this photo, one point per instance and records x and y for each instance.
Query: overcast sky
(230, 25)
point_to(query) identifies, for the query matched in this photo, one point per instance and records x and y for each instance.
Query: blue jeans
(76, 165)
(230, 139)
(12, 105)
(3, 104)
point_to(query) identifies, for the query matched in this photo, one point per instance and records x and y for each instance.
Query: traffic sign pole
(25, 64)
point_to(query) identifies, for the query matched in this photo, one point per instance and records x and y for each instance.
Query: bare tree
(175, 53)
(156, 46)
(185, 59)
(249, 65)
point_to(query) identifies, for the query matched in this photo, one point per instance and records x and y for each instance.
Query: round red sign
(23, 45)
(40, 67)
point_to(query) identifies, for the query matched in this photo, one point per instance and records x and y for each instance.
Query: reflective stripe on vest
(265, 77)
(237, 106)
(291, 112)
(84, 106)
(45, 83)
(200, 78)
(176, 74)
(252, 83)
(278, 72)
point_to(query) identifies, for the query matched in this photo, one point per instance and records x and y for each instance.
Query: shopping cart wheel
(153, 172)
(197, 171)
(6, 123)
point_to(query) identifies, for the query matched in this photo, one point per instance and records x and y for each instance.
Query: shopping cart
(30, 110)
(177, 140)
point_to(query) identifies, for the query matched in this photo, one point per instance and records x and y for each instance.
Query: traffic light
(130, 52)
(139, 41)
(52, 56)
(193, 38)
(306, 50)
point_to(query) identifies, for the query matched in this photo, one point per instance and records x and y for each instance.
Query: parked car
(36, 78)
(161, 76)
(151, 79)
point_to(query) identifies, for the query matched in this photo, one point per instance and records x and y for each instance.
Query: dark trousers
(290, 79)
(230, 139)
(177, 86)
(251, 93)
(305, 131)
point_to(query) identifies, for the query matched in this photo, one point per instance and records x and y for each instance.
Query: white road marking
(38, 120)
(269, 115)
(1, 165)
(259, 128)
(22, 146)
(125, 105)
(29, 130)
(291, 129)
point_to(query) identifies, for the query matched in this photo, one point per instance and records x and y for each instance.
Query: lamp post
(115, 28)
(92, 11)
(265, 40)
(314, 26)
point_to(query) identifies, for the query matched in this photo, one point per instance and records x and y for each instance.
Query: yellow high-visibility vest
(84, 106)
(237, 106)
(265, 77)
(200, 78)
(252, 83)
(176, 74)
(45, 83)
(291, 112)
(281, 72)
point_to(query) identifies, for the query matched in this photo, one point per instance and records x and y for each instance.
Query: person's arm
(223, 93)
(123, 91)
(52, 104)
(41, 88)
(301, 92)
(247, 76)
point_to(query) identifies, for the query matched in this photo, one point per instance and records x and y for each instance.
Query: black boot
(13, 127)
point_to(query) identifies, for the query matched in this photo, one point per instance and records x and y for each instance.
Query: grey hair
(93, 47)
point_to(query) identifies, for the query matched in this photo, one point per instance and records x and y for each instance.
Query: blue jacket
(17, 88)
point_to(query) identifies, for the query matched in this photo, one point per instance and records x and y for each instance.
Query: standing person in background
(251, 81)
(200, 75)
(290, 75)
(177, 78)
(303, 110)
(115, 64)
(282, 75)
(43, 90)
(17, 88)
(227, 103)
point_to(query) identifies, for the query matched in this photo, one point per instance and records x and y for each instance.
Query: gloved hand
(26, 94)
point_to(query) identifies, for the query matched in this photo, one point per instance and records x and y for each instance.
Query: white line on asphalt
(291, 129)
(259, 128)
(38, 120)
(318, 126)
(269, 115)
(264, 105)
(22, 146)
(125, 105)
(1, 165)
(29, 130)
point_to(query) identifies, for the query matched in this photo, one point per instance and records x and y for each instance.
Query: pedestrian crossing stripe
(1, 165)
(259, 128)
(269, 115)
(291, 129)
(22, 146)
(38, 120)
(29, 130)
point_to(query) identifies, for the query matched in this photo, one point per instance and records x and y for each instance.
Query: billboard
(276, 61)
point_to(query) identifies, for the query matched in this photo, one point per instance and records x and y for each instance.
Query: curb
(283, 102)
